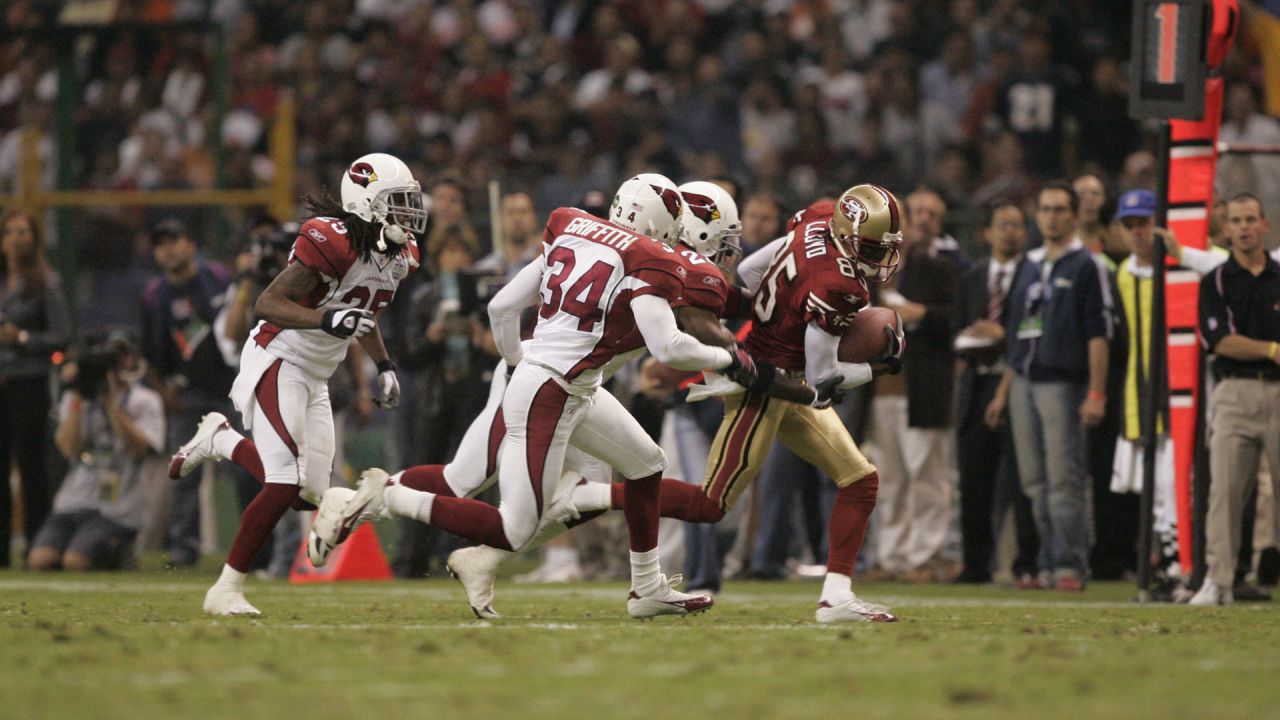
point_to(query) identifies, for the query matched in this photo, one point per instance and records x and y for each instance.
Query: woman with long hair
(34, 323)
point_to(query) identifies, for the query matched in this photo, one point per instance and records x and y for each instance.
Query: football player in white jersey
(598, 282)
(346, 264)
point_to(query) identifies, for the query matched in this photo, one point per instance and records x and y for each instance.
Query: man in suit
(912, 428)
(988, 472)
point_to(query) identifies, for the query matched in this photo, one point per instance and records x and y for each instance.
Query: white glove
(349, 323)
(388, 386)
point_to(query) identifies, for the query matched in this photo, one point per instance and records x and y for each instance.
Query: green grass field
(137, 646)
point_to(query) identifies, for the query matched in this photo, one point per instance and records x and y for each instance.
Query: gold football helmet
(867, 228)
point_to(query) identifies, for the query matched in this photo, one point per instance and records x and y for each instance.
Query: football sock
(403, 501)
(257, 523)
(836, 586)
(686, 502)
(593, 496)
(471, 519)
(848, 523)
(678, 500)
(642, 512)
(646, 575)
(231, 578)
(224, 443)
(428, 478)
(244, 453)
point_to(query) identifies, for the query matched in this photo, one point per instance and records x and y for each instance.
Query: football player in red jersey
(808, 285)
(346, 264)
(599, 284)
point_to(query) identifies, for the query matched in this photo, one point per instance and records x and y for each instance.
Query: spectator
(949, 81)
(988, 469)
(34, 324)
(761, 221)
(1034, 105)
(452, 356)
(180, 307)
(520, 237)
(1058, 331)
(1106, 130)
(1239, 326)
(1092, 191)
(1242, 124)
(912, 432)
(109, 426)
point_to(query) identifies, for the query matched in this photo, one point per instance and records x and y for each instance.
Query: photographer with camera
(452, 352)
(109, 424)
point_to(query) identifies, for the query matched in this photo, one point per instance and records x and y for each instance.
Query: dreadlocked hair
(364, 235)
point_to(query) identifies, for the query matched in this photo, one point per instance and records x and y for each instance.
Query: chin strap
(394, 233)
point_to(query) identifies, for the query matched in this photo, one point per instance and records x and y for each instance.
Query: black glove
(351, 322)
(827, 393)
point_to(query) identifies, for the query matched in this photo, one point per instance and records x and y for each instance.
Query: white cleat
(326, 531)
(1210, 594)
(853, 610)
(199, 448)
(666, 600)
(368, 503)
(476, 568)
(222, 600)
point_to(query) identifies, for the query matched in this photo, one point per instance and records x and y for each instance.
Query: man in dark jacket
(988, 473)
(1058, 331)
(912, 433)
(179, 343)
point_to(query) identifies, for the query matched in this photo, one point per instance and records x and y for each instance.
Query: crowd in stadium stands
(968, 109)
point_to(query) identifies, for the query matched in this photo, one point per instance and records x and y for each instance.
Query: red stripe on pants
(544, 416)
(497, 430)
(268, 394)
(734, 457)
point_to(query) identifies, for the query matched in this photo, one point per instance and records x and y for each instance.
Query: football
(865, 337)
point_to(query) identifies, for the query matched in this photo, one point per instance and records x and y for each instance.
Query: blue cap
(1136, 203)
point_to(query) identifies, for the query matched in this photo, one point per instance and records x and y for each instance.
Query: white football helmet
(649, 204)
(711, 225)
(379, 188)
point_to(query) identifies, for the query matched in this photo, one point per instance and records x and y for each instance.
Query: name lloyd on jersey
(601, 233)
(815, 239)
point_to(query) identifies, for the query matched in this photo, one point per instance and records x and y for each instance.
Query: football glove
(756, 376)
(348, 323)
(388, 386)
(827, 393)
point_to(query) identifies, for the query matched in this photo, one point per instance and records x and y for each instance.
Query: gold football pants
(751, 423)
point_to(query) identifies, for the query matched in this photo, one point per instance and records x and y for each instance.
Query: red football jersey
(593, 270)
(346, 281)
(808, 280)
(704, 287)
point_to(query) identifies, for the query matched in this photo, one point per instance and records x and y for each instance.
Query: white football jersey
(346, 281)
(593, 270)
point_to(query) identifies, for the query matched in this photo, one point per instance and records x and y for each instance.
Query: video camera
(267, 245)
(97, 357)
(475, 290)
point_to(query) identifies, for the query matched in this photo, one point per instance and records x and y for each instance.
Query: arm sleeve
(505, 308)
(1215, 318)
(657, 324)
(1096, 301)
(752, 268)
(821, 360)
(1202, 262)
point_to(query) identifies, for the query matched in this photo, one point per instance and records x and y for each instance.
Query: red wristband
(1096, 395)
